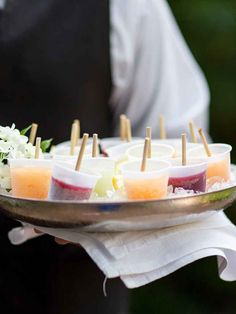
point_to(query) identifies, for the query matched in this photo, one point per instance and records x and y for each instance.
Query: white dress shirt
(2, 4)
(153, 70)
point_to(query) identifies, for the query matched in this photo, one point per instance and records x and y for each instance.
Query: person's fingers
(57, 240)
(61, 241)
(37, 231)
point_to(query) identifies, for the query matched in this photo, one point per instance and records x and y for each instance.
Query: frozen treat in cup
(146, 185)
(110, 142)
(177, 145)
(30, 178)
(189, 177)
(114, 141)
(106, 168)
(118, 153)
(158, 151)
(65, 152)
(69, 184)
(58, 158)
(218, 163)
(178, 148)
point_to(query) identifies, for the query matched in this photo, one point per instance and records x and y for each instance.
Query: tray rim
(122, 203)
(89, 213)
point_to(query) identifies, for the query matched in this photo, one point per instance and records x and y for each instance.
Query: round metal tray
(117, 216)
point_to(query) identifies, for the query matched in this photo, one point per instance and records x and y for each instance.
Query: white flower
(4, 147)
(5, 182)
(12, 145)
(12, 135)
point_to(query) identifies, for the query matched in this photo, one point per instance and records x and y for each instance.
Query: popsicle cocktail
(69, 184)
(189, 177)
(158, 151)
(147, 185)
(30, 178)
(218, 164)
(106, 168)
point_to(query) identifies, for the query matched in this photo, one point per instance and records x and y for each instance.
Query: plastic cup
(65, 151)
(168, 141)
(114, 141)
(106, 168)
(177, 145)
(67, 143)
(118, 153)
(189, 177)
(146, 185)
(178, 148)
(69, 184)
(218, 164)
(159, 151)
(30, 178)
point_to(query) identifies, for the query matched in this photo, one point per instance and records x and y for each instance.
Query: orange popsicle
(146, 188)
(30, 182)
(219, 169)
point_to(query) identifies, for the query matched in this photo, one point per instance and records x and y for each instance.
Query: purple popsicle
(196, 182)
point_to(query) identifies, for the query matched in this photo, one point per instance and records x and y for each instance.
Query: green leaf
(45, 145)
(24, 131)
(3, 156)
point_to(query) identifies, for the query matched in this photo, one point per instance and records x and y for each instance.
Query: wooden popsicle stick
(162, 128)
(128, 130)
(145, 153)
(192, 132)
(81, 152)
(204, 142)
(149, 135)
(33, 133)
(73, 138)
(184, 149)
(95, 145)
(78, 131)
(122, 126)
(37, 148)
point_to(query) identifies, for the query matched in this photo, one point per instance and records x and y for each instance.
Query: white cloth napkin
(141, 257)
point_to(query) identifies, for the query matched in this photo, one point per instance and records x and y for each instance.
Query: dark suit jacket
(54, 67)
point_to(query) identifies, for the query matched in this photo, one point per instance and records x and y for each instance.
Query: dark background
(209, 27)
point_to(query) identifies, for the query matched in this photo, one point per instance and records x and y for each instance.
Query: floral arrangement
(13, 144)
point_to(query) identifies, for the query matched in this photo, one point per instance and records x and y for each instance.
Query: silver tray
(118, 216)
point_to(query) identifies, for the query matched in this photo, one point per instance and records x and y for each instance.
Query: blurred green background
(209, 27)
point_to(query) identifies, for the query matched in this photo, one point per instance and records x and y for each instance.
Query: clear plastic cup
(67, 143)
(69, 184)
(106, 168)
(64, 152)
(146, 185)
(177, 145)
(65, 158)
(114, 141)
(118, 153)
(30, 178)
(218, 164)
(178, 148)
(189, 177)
(168, 141)
(159, 151)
